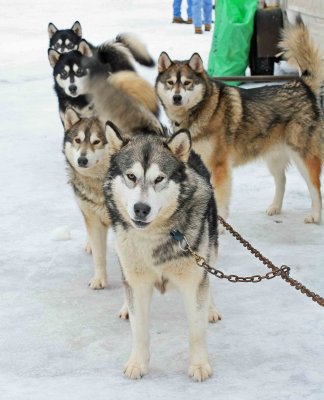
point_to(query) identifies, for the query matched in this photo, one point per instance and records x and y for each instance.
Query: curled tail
(299, 49)
(137, 48)
(127, 100)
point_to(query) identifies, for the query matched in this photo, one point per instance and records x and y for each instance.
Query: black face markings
(64, 40)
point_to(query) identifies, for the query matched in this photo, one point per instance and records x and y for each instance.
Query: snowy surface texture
(59, 340)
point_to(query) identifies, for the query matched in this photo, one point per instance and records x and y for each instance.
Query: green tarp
(232, 36)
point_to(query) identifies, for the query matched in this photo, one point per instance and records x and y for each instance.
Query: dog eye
(159, 179)
(64, 74)
(96, 142)
(77, 140)
(187, 83)
(79, 72)
(70, 46)
(170, 83)
(131, 177)
(57, 46)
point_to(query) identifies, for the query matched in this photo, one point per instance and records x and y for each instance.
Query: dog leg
(310, 169)
(87, 246)
(221, 178)
(196, 301)
(97, 233)
(213, 314)
(123, 312)
(138, 295)
(277, 165)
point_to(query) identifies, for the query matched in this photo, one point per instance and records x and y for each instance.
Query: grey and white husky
(156, 184)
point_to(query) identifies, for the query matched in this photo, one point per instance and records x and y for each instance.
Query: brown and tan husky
(231, 126)
(127, 99)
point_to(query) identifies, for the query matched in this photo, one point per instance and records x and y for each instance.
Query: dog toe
(123, 313)
(98, 283)
(135, 370)
(273, 210)
(200, 372)
(87, 248)
(312, 219)
(213, 316)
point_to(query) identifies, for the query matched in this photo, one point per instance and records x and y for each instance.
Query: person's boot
(179, 20)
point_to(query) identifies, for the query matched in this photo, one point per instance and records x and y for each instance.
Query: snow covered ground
(58, 339)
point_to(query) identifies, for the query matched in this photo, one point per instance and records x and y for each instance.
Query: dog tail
(127, 100)
(137, 48)
(299, 48)
(116, 55)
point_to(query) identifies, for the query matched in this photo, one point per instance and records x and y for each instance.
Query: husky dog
(70, 79)
(86, 152)
(64, 40)
(154, 185)
(232, 126)
(85, 149)
(72, 70)
(119, 53)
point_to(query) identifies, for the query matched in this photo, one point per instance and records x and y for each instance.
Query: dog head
(84, 141)
(69, 69)
(145, 176)
(181, 84)
(64, 40)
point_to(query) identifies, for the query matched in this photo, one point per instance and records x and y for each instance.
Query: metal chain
(284, 275)
(283, 271)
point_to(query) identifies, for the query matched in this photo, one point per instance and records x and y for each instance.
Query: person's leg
(189, 11)
(196, 15)
(177, 8)
(207, 8)
(177, 12)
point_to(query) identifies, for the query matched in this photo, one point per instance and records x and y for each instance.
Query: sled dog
(156, 184)
(64, 40)
(75, 71)
(231, 126)
(119, 53)
(86, 150)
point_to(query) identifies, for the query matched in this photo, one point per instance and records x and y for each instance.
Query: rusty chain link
(283, 271)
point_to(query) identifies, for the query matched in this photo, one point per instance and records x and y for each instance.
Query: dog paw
(273, 210)
(98, 283)
(87, 248)
(200, 372)
(135, 370)
(123, 312)
(312, 218)
(213, 316)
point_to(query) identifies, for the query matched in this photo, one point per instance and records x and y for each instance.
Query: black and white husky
(156, 184)
(73, 59)
(64, 40)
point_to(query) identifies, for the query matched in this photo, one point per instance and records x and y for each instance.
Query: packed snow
(61, 340)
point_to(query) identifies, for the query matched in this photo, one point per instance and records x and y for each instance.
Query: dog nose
(82, 161)
(177, 98)
(141, 210)
(73, 89)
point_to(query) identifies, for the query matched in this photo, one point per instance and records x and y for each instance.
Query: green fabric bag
(233, 30)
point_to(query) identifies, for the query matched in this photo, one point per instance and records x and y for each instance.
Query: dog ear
(76, 28)
(180, 144)
(70, 118)
(196, 64)
(84, 48)
(51, 30)
(114, 138)
(53, 57)
(164, 62)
